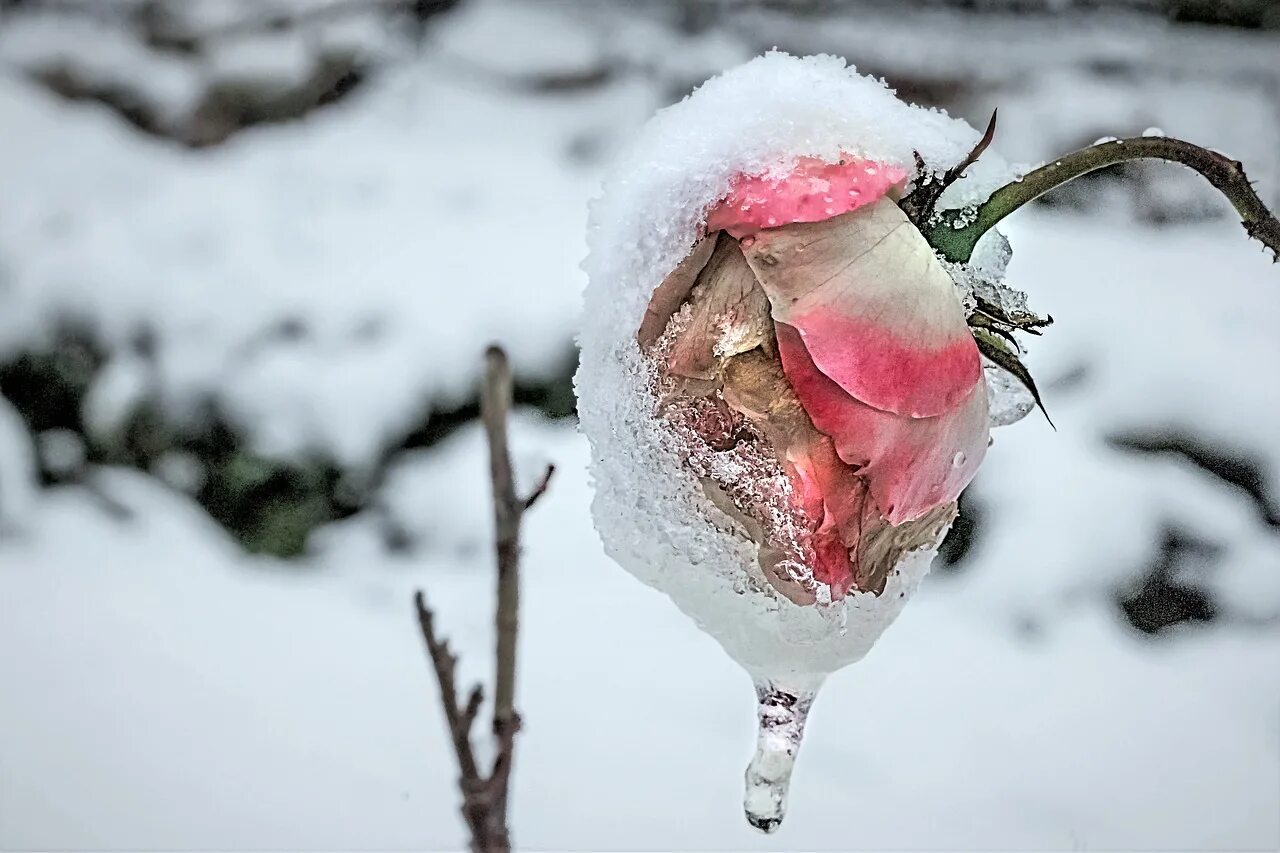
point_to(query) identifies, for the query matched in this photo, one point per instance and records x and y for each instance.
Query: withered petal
(726, 314)
(674, 290)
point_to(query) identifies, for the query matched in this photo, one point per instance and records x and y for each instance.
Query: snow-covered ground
(163, 690)
(160, 693)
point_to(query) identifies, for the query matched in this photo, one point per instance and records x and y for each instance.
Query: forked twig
(485, 796)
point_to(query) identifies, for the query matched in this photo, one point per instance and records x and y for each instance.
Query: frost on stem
(782, 715)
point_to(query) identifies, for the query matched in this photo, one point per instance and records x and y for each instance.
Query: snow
(1157, 349)
(164, 690)
(169, 695)
(415, 237)
(578, 46)
(45, 44)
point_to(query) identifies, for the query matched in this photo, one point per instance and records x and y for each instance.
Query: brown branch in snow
(485, 796)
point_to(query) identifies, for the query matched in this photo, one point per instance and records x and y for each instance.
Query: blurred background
(250, 253)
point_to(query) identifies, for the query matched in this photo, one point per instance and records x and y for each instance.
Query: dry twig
(485, 796)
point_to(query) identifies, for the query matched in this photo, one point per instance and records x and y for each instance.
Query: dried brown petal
(727, 314)
(673, 291)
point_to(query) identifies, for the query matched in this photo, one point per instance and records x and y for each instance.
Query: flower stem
(956, 240)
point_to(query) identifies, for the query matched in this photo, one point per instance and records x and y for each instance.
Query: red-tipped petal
(813, 191)
(877, 312)
(911, 465)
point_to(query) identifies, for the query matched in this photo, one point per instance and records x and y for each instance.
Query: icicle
(782, 713)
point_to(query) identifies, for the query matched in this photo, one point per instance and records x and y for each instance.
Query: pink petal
(911, 464)
(813, 191)
(830, 494)
(878, 313)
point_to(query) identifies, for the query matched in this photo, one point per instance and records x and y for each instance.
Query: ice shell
(651, 512)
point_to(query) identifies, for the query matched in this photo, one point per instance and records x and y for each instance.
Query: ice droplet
(782, 714)
(1008, 399)
(958, 459)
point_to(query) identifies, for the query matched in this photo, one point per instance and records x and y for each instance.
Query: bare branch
(541, 488)
(474, 810)
(472, 710)
(444, 662)
(495, 401)
(485, 798)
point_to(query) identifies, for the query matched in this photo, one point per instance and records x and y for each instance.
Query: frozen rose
(813, 338)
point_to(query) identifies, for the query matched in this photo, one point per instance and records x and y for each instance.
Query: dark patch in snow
(1231, 465)
(270, 505)
(227, 107)
(1166, 596)
(48, 384)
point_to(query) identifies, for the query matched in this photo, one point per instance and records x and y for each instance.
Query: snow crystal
(651, 512)
(992, 255)
(983, 279)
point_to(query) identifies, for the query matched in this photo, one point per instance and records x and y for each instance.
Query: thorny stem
(485, 797)
(956, 241)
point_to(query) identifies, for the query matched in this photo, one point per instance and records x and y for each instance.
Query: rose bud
(814, 334)
(780, 386)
